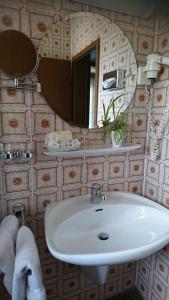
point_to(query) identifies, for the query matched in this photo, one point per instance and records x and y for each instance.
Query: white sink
(133, 227)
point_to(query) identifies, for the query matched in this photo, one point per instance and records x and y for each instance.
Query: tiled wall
(26, 118)
(153, 272)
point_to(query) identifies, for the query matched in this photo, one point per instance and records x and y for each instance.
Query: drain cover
(103, 236)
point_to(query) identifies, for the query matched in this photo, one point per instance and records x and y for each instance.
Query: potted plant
(115, 123)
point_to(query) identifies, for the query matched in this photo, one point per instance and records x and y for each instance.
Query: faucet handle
(103, 197)
(96, 187)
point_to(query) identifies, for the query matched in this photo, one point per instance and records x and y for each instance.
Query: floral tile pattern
(25, 119)
(152, 274)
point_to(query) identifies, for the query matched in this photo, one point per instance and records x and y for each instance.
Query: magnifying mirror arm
(36, 87)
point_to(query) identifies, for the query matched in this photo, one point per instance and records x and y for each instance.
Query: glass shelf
(94, 151)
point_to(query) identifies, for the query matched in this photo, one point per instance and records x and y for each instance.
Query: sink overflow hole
(99, 209)
(103, 236)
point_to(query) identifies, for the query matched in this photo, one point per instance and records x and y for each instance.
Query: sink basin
(125, 227)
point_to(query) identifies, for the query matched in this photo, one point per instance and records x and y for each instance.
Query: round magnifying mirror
(18, 57)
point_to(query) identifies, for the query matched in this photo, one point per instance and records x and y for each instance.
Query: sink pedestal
(97, 274)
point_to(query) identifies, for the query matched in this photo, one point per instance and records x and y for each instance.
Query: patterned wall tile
(44, 123)
(135, 187)
(92, 294)
(95, 171)
(52, 288)
(43, 200)
(156, 178)
(72, 173)
(140, 99)
(165, 199)
(163, 43)
(14, 123)
(128, 281)
(145, 44)
(71, 284)
(17, 181)
(162, 267)
(39, 25)
(144, 271)
(46, 177)
(116, 169)
(151, 191)
(9, 18)
(136, 167)
(142, 287)
(12, 96)
(116, 187)
(159, 288)
(59, 180)
(69, 268)
(160, 97)
(166, 175)
(153, 170)
(139, 122)
(49, 270)
(71, 193)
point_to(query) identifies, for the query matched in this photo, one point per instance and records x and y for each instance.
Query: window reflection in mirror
(85, 70)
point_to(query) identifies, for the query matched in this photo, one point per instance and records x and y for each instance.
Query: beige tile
(44, 123)
(116, 169)
(14, 123)
(136, 167)
(17, 181)
(46, 178)
(95, 172)
(153, 170)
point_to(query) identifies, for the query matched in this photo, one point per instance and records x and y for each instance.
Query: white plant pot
(115, 139)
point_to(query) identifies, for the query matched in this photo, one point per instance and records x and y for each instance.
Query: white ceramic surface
(136, 226)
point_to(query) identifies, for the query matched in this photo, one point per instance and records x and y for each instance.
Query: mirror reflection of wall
(69, 37)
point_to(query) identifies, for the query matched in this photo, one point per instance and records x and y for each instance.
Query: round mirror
(18, 57)
(92, 54)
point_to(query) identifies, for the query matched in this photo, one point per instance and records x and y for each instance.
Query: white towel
(27, 258)
(10, 224)
(8, 232)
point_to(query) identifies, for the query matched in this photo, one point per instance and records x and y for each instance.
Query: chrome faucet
(96, 194)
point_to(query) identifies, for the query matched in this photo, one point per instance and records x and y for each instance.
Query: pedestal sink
(125, 227)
